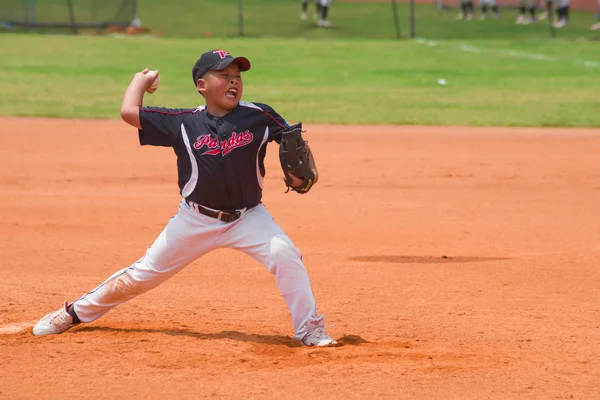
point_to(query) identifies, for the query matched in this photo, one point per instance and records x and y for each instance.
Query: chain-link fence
(345, 19)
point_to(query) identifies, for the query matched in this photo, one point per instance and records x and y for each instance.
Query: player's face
(223, 89)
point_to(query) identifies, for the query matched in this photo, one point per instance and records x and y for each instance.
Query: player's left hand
(297, 163)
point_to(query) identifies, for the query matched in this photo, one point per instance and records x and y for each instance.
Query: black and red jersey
(220, 160)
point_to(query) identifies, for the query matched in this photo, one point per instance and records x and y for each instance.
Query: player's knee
(282, 253)
(135, 283)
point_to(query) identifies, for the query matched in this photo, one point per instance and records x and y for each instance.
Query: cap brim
(241, 62)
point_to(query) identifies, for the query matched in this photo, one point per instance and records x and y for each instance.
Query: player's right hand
(152, 80)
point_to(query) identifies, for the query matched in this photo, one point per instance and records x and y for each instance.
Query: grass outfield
(518, 83)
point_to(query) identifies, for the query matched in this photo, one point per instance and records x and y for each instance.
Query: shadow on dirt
(423, 259)
(350, 340)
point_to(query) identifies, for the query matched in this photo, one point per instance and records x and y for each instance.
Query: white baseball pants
(188, 236)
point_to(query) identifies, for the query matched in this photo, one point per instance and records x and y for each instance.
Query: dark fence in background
(348, 19)
(67, 14)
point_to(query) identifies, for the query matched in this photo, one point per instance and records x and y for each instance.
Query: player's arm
(134, 96)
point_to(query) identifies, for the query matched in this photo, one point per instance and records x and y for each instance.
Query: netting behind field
(66, 13)
(579, 5)
(347, 19)
(363, 19)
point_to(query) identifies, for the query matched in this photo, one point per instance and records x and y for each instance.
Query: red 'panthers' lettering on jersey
(223, 147)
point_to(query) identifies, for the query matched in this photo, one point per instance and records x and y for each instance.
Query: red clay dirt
(454, 262)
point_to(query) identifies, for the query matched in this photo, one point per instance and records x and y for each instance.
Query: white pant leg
(259, 236)
(187, 236)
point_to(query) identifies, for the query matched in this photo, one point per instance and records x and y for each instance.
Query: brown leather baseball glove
(296, 160)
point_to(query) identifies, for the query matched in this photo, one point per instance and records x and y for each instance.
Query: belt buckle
(220, 215)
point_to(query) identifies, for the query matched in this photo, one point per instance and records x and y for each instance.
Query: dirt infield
(454, 263)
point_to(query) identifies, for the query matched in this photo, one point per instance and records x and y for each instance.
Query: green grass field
(524, 79)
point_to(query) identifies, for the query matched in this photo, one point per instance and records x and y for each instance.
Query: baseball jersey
(220, 160)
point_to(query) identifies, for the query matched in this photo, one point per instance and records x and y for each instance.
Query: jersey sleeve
(275, 122)
(161, 126)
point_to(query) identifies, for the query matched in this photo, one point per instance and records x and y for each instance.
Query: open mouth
(232, 93)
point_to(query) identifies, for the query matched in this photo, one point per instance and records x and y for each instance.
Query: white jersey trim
(259, 176)
(191, 184)
(251, 105)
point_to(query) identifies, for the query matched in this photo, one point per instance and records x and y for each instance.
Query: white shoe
(543, 16)
(483, 17)
(317, 335)
(529, 20)
(520, 20)
(561, 23)
(469, 17)
(460, 16)
(303, 16)
(54, 323)
(596, 27)
(324, 23)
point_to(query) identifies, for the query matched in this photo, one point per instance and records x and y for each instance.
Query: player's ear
(201, 85)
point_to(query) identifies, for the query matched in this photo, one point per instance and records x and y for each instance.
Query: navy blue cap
(216, 60)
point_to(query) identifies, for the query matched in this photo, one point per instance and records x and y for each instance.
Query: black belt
(220, 215)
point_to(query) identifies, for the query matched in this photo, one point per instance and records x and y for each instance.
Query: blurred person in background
(562, 14)
(324, 21)
(548, 11)
(304, 13)
(466, 10)
(488, 4)
(596, 26)
(524, 7)
(322, 12)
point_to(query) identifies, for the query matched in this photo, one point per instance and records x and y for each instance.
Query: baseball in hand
(156, 82)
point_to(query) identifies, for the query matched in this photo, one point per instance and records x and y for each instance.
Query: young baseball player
(220, 149)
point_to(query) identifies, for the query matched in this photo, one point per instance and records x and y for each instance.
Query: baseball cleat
(303, 16)
(54, 323)
(561, 23)
(318, 337)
